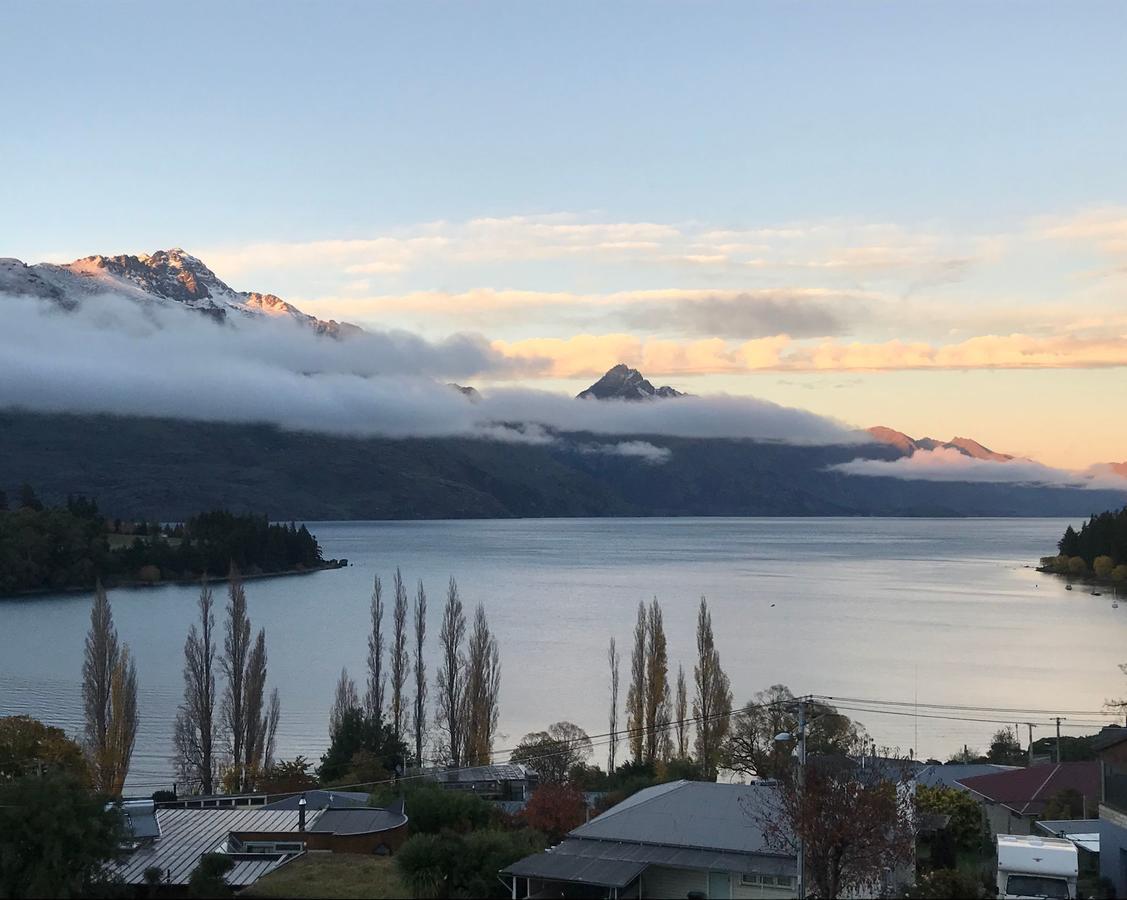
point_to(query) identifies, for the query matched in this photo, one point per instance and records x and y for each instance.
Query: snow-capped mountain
(624, 383)
(909, 445)
(166, 277)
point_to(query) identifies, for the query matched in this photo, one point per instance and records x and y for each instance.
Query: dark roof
(357, 821)
(693, 814)
(1026, 791)
(951, 774)
(503, 772)
(319, 799)
(553, 866)
(1109, 736)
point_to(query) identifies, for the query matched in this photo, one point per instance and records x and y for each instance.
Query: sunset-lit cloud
(947, 464)
(585, 355)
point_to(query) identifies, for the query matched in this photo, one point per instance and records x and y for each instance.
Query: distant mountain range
(909, 445)
(169, 468)
(170, 278)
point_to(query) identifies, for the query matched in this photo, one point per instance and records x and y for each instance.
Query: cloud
(109, 357)
(748, 314)
(586, 354)
(946, 464)
(642, 450)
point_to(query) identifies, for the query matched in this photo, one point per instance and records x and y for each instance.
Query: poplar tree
(400, 660)
(236, 648)
(636, 693)
(254, 745)
(374, 696)
(482, 691)
(612, 660)
(450, 682)
(681, 714)
(194, 731)
(657, 686)
(101, 659)
(121, 733)
(712, 706)
(344, 701)
(419, 721)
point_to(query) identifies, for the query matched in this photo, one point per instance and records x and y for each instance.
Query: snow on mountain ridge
(165, 276)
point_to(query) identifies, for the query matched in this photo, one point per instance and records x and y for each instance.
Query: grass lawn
(332, 875)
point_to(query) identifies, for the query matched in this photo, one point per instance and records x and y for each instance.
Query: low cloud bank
(111, 356)
(945, 464)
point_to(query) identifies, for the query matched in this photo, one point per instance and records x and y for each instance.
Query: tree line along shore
(74, 546)
(1097, 552)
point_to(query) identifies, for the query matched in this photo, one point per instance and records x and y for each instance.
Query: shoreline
(328, 565)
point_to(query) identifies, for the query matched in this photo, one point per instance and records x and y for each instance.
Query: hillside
(167, 469)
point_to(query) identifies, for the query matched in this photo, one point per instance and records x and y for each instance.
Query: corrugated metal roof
(693, 814)
(1027, 791)
(949, 775)
(1084, 833)
(502, 772)
(187, 834)
(556, 867)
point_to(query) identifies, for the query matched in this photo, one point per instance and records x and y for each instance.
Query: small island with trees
(73, 547)
(1097, 552)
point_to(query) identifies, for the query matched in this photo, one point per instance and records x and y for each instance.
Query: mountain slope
(171, 278)
(168, 469)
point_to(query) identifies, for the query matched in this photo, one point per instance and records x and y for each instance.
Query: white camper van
(1036, 867)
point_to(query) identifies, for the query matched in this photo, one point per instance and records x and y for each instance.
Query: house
(682, 839)
(1014, 800)
(169, 842)
(315, 799)
(510, 781)
(1111, 748)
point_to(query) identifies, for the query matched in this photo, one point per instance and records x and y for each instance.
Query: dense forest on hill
(1101, 543)
(72, 546)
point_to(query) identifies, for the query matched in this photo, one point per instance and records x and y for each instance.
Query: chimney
(301, 814)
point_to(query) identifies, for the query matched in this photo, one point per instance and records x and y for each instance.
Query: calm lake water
(943, 611)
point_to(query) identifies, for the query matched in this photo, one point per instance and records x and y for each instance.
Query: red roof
(1026, 791)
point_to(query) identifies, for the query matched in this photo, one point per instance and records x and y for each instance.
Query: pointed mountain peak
(909, 445)
(624, 383)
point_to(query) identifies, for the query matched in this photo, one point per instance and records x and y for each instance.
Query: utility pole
(1058, 720)
(801, 795)
(1030, 726)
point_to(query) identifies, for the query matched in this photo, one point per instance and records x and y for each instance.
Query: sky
(908, 214)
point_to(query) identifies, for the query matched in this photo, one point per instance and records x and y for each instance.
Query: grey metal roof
(358, 821)
(187, 834)
(616, 863)
(554, 866)
(319, 799)
(692, 814)
(1084, 833)
(949, 775)
(503, 772)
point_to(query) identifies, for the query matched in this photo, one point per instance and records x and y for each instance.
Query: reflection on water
(863, 608)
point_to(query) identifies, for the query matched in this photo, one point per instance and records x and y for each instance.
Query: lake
(934, 611)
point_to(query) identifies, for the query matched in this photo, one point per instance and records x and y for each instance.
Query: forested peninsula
(72, 547)
(1098, 550)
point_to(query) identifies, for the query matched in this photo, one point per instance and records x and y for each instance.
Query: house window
(754, 880)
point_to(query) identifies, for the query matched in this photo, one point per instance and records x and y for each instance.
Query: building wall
(392, 839)
(1003, 820)
(659, 881)
(1113, 848)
